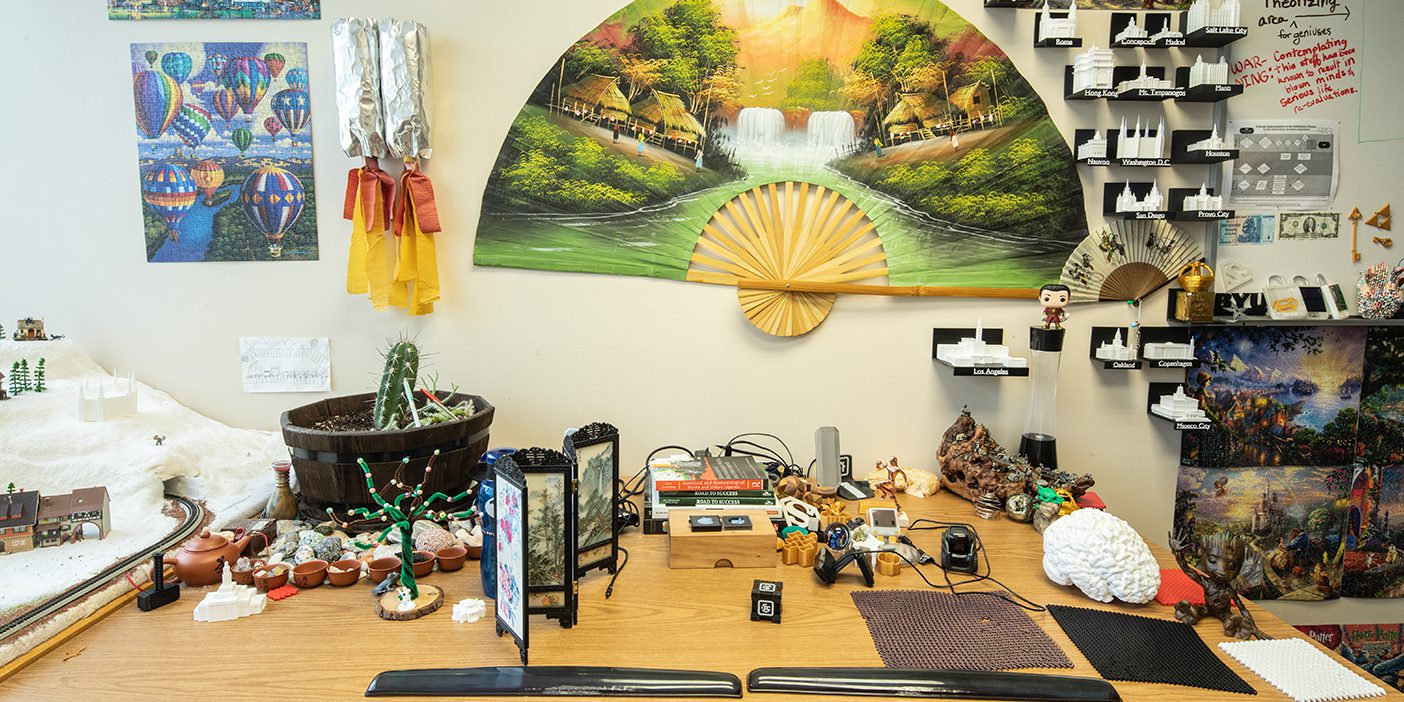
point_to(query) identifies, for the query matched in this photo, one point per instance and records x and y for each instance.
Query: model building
(1050, 27)
(1213, 143)
(1132, 30)
(18, 513)
(1203, 201)
(1206, 13)
(230, 601)
(29, 520)
(1166, 33)
(1116, 350)
(973, 351)
(1168, 351)
(30, 329)
(1092, 69)
(1202, 73)
(103, 402)
(1180, 407)
(1140, 144)
(1144, 81)
(1096, 147)
(1127, 201)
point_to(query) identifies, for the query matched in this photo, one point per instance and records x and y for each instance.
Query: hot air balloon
(224, 105)
(170, 191)
(242, 139)
(272, 199)
(275, 63)
(293, 108)
(192, 124)
(158, 101)
(248, 78)
(215, 62)
(208, 177)
(273, 126)
(177, 65)
(151, 58)
(297, 79)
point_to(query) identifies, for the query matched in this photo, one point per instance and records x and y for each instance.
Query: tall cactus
(401, 365)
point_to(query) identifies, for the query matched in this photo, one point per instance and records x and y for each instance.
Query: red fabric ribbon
(361, 182)
(414, 184)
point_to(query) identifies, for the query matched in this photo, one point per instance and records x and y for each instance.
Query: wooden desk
(327, 643)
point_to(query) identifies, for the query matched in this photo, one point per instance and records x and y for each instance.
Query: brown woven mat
(969, 631)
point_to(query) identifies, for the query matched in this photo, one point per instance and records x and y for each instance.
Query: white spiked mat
(1301, 671)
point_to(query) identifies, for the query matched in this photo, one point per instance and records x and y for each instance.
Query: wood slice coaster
(430, 599)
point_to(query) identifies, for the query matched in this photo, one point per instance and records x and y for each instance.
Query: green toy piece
(26, 382)
(403, 518)
(39, 376)
(10, 489)
(16, 386)
(401, 367)
(1048, 494)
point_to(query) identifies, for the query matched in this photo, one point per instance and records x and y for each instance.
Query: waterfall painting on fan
(666, 121)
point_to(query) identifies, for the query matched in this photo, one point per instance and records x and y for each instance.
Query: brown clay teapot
(201, 560)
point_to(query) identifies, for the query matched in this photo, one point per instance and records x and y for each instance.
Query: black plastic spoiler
(945, 684)
(554, 681)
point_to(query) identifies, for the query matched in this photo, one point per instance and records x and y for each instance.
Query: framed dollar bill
(510, 506)
(594, 449)
(550, 531)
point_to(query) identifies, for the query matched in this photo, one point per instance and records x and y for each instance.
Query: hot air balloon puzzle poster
(224, 144)
(929, 159)
(214, 9)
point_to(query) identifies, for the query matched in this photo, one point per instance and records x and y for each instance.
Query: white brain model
(1102, 555)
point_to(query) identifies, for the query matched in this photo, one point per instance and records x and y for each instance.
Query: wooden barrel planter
(325, 461)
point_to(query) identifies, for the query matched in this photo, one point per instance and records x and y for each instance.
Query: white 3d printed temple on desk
(230, 601)
(1179, 406)
(974, 351)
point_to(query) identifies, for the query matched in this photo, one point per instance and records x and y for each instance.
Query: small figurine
(159, 439)
(1220, 557)
(1054, 297)
(406, 600)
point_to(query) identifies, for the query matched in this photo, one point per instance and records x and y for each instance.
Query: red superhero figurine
(1054, 298)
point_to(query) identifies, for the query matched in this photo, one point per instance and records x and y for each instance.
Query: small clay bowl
(245, 577)
(451, 558)
(474, 552)
(424, 567)
(351, 572)
(277, 577)
(381, 568)
(309, 573)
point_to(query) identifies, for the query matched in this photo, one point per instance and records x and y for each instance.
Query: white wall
(668, 362)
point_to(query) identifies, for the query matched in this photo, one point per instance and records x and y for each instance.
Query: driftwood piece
(430, 599)
(972, 463)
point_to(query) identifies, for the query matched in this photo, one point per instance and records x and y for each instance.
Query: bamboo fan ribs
(1127, 260)
(789, 233)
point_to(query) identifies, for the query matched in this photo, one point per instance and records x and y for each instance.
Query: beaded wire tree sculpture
(402, 516)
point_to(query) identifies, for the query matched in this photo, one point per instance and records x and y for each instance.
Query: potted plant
(400, 420)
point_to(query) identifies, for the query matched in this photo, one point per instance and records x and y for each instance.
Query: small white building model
(1139, 144)
(970, 352)
(100, 404)
(1203, 201)
(230, 601)
(1092, 69)
(1205, 13)
(469, 610)
(1096, 147)
(1202, 73)
(1213, 143)
(1168, 351)
(1050, 27)
(1115, 350)
(1180, 407)
(1132, 30)
(1166, 32)
(1153, 202)
(1144, 81)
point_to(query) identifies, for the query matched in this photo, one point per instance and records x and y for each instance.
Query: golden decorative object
(1196, 276)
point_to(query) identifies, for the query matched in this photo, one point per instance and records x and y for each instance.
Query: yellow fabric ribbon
(418, 264)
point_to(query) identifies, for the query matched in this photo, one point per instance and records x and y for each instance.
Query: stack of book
(710, 482)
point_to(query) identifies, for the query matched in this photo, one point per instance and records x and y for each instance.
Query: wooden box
(754, 548)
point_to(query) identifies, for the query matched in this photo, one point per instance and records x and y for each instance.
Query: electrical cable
(771, 436)
(610, 590)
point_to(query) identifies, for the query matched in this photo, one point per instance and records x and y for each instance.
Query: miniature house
(1180, 407)
(1145, 81)
(30, 329)
(1202, 73)
(18, 512)
(1204, 13)
(61, 517)
(101, 403)
(1166, 33)
(1154, 201)
(1140, 144)
(1092, 69)
(1096, 147)
(1115, 350)
(1213, 143)
(1050, 27)
(1203, 201)
(230, 601)
(973, 351)
(1132, 30)
(1169, 351)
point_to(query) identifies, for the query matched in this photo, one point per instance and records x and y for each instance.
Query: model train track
(194, 517)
